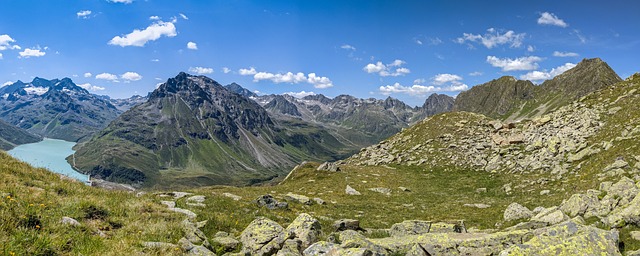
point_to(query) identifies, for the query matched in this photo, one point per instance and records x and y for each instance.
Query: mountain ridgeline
(55, 108)
(510, 99)
(192, 131)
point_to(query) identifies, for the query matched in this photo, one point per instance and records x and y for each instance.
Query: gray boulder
(306, 229)
(347, 224)
(351, 191)
(579, 204)
(354, 239)
(551, 216)
(568, 238)
(70, 221)
(291, 197)
(263, 237)
(410, 227)
(270, 202)
(515, 211)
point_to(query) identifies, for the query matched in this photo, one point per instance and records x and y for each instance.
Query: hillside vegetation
(450, 167)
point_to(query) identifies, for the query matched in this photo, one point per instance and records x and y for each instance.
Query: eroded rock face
(263, 237)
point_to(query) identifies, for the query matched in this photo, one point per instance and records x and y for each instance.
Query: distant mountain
(433, 105)
(126, 103)
(510, 99)
(193, 131)
(55, 108)
(359, 122)
(240, 90)
(11, 136)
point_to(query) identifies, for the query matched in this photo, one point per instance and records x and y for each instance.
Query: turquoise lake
(49, 154)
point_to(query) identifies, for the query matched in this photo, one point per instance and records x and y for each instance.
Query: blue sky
(403, 49)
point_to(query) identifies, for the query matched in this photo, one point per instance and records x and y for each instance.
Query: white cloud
(530, 48)
(90, 87)
(107, 76)
(27, 53)
(301, 94)
(121, 1)
(6, 83)
(445, 78)
(155, 60)
(547, 18)
(200, 70)
(184, 16)
(418, 41)
(582, 38)
(544, 75)
(88, 74)
(154, 17)
(0, 56)
(247, 72)
(475, 73)
(493, 38)
(289, 77)
(83, 14)
(418, 90)
(522, 63)
(419, 81)
(348, 47)
(192, 46)
(131, 76)
(141, 37)
(320, 82)
(391, 69)
(435, 41)
(5, 43)
(226, 70)
(565, 54)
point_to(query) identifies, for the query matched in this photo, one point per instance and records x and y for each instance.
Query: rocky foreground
(542, 231)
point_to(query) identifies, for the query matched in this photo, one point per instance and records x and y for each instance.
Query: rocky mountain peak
(587, 76)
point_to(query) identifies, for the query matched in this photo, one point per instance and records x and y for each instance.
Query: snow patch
(36, 90)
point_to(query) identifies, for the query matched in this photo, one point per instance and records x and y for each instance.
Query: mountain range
(55, 108)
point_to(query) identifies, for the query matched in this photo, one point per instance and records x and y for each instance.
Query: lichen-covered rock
(305, 228)
(291, 247)
(625, 190)
(454, 243)
(579, 204)
(568, 238)
(263, 237)
(550, 216)
(628, 214)
(199, 250)
(354, 239)
(228, 243)
(515, 211)
(291, 197)
(322, 248)
(410, 227)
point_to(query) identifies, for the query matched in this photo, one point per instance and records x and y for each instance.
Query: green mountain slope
(194, 132)
(11, 136)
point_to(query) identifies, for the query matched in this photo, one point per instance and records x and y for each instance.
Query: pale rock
(516, 211)
(351, 191)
